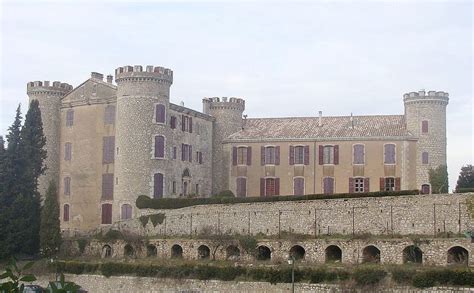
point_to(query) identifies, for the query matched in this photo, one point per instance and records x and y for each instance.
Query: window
(108, 147)
(298, 186)
(199, 157)
(186, 152)
(424, 126)
(424, 158)
(241, 187)
(66, 213)
(160, 116)
(389, 154)
(159, 146)
(389, 184)
(425, 189)
(67, 185)
(186, 123)
(299, 154)
(108, 186)
(126, 211)
(328, 185)
(328, 155)
(158, 185)
(174, 153)
(106, 213)
(241, 156)
(358, 185)
(197, 189)
(67, 151)
(174, 187)
(269, 186)
(270, 155)
(69, 117)
(109, 115)
(359, 154)
(173, 122)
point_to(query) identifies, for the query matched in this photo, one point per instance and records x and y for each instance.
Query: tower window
(160, 114)
(424, 126)
(67, 151)
(108, 186)
(389, 154)
(158, 185)
(106, 213)
(67, 185)
(69, 117)
(424, 158)
(66, 213)
(159, 146)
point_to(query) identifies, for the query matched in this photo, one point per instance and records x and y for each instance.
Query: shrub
(403, 276)
(368, 276)
(82, 243)
(423, 280)
(318, 276)
(112, 235)
(224, 193)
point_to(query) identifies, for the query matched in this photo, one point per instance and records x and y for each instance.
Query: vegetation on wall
(145, 202)
(439, 179)
(155, 219)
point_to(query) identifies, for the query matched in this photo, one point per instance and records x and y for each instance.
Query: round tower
(425, 115)
(228, 120)
(139, 92)
(49, 97)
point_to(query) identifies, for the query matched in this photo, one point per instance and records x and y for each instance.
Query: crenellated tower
(425, 115)
(139, 91)
(228, 114)
(49, 96)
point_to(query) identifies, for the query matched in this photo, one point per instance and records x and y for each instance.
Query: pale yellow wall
(313, 173)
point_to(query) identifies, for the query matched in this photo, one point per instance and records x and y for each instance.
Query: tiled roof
(377, 126)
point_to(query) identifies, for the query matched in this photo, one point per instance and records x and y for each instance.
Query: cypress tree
(439, 179)
(50, 233)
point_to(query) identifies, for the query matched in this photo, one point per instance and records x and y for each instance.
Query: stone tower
(228, 115)
(425, 115)
(138, 91)
(49, 97)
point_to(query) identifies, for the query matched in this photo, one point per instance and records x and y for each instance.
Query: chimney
(320, 122)
(110, 78)
(97, 75)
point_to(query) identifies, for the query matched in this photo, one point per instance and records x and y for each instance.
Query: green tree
(439, 179)
(50, 233)
(466, 178)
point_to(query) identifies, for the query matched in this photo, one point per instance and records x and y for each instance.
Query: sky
(283, 58)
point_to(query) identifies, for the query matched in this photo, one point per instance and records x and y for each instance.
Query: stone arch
(412, 254)
(106, 251)
(176, 251)
(232, 252)
(458, 255)
(263, 253)
(297, 252)
(204, 252)
(186, 173)
(128, 251)
(333, 253)
(371, 254)
(151, 250)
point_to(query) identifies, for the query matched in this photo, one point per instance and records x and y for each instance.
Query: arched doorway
(371, 254)
(106, 251)
(333, 254)
(264, 253)
(232, 252)
(151, 250)
(129, 251)
(203, 252)
(297, 252)
(412, 254)
(458, 255)
(176, 251)
(425, 189)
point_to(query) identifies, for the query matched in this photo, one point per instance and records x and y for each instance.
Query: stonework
(102, 150)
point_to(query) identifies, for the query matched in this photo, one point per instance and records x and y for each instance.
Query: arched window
(159, 146)
(425, 189)
(126, 211)
(66, 213)
(106, 213)
(160, 116)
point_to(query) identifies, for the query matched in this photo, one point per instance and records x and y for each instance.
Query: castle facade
(109, 143)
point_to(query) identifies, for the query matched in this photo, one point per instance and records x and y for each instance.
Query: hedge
(465, 190)
(144, 202)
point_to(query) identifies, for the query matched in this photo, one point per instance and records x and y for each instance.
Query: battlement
(223, 103)
(422, 96)
(47, 86)
(136, 72)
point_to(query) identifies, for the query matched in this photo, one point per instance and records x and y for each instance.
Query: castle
(107, 144)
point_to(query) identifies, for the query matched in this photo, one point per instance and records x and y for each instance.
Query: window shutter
(262, 155)
(321, 154)
(382, 184)
(366, 185)
(292, 155)
(351, 185)
(200, 157)
(277, 186)
(336, 154)
(397, 183)
(306, 154)
(66, 213)
(277, 155)
(106, 213)
(262, 186)
(190, 125)
(424, 126)
(190, 153)
(159, 147)
(108, 186)
(249, 156)
(173, 122)
(183, 152)
(234, 156)
(158, 185)
(183, 125)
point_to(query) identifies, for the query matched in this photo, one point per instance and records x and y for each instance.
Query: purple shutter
(183, 125)
(321, 155)
(173, 122)
(397, 184)
(249, 156)
(277, 186)
(159, 146)
(366, 185)
(190, 124)
(106, 213)
(158, 185)
(424, 126)
(277, 155)
(108, 147)
(424, 157)
(108, 186)
(190, 153)
(262, 155)
(298, 184)
(336, 154)
(262, 186)
(183, 152)
(351, 185)
(306, 154)
(292, 155)
(382, 183)
(160, 113)
(234, 156)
